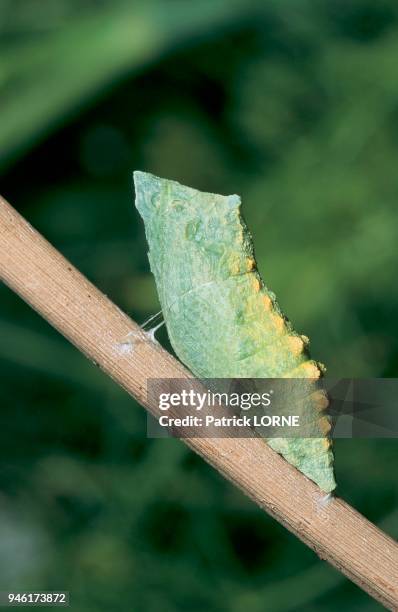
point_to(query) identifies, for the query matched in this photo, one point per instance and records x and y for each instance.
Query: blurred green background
(293, 105)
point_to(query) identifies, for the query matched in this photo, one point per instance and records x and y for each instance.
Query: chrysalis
(221, 319)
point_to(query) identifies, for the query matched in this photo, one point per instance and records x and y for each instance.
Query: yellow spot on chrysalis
(325, 427)
(256, 284)
(326, 442)
(296, 345)
(320, 400)
(267, 301)
(278, 321)
(310, 369)
(251, 264)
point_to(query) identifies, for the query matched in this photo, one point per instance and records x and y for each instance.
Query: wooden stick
(51, 285)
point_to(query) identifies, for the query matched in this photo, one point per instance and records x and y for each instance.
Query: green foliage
(69, 54)
(295, 107)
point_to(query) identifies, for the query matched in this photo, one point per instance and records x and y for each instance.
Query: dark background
(293, 105)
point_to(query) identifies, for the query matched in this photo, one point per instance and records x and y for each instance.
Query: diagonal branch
(51, 285)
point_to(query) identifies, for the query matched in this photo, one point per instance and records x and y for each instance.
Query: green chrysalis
(221, 319)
